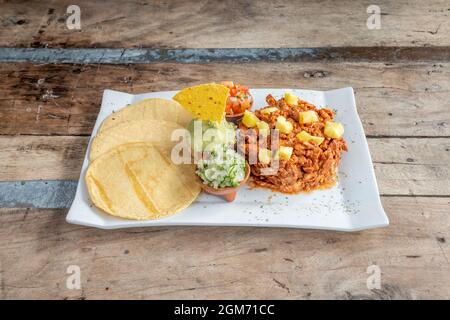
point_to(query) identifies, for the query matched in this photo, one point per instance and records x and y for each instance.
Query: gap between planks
(211, 55)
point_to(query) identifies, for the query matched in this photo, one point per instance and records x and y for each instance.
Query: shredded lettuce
(223, 168)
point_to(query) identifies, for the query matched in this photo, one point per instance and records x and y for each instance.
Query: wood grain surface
(393, 99)
(186, 262)
(224, 24)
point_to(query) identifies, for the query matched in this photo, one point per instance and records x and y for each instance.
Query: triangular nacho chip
(205, 101)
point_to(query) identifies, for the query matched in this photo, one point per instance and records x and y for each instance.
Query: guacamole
(207, 133)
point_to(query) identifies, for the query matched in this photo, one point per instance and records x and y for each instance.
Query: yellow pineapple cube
(283, 125)
(264, 156)
(269, 110)
(284, 153)
(249, 119)
(308, 117)
(334, 130)
(305, 136)
(263, 128)
(290, 98)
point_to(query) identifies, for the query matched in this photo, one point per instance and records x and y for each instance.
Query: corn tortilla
(139, 181)
(149, 109)
(155, 131)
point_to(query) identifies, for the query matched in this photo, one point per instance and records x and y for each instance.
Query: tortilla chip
(205, 101)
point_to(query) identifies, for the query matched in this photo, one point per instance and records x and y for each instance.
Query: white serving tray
(353, 204)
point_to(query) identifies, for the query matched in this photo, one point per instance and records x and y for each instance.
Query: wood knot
(315, 74)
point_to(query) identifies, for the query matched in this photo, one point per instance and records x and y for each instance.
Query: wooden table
(50, 92)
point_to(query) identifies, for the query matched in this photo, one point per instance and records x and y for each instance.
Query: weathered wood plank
(224, 24)
(412, 166)
(401, 99)
(410, 151)
(408, 166)
(41, 157)
(237, 263)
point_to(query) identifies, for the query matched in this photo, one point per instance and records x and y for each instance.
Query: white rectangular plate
(353, 204)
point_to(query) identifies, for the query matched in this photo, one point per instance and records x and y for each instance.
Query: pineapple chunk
(308, 117)
(264, 156)
(284, 153)
(284, 125)
(249, 119)
(263, 128)
(269, 110)
(290, 99)
(305, 136)
(334, 130)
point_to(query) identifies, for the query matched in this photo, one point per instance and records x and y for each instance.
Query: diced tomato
(233, 92)
(237, 109)
(239, 99)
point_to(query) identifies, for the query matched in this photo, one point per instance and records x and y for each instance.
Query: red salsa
(239, 100)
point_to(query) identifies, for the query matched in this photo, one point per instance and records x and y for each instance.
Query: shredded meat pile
(310, 166)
